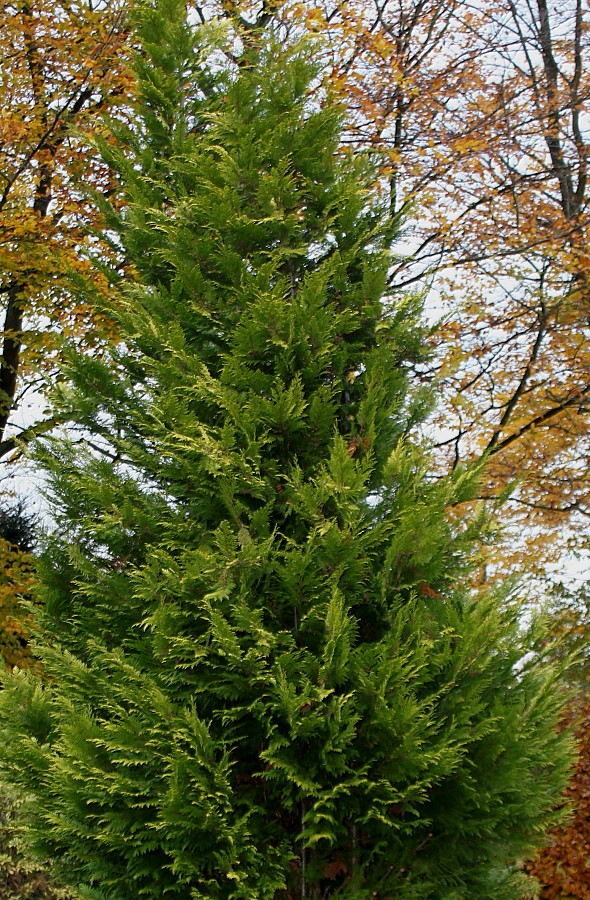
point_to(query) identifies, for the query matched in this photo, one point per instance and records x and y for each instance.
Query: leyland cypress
(263, 676)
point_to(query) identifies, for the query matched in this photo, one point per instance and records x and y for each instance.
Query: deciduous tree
(17, 539)
(562, 866)
(61, 65)
(482, 111)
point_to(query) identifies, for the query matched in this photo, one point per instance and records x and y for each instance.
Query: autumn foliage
(16, 575)
(478, 111)
(562, 868)
(61, 66)
(17, 540)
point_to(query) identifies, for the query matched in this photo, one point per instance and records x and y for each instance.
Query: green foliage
(18, 527)
(569, 611)
(262, 676)
(20, 878)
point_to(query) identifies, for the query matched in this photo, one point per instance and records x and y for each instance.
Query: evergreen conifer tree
(262, 680)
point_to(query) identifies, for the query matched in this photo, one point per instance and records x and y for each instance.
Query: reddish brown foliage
(563, 868)
(16, 576)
